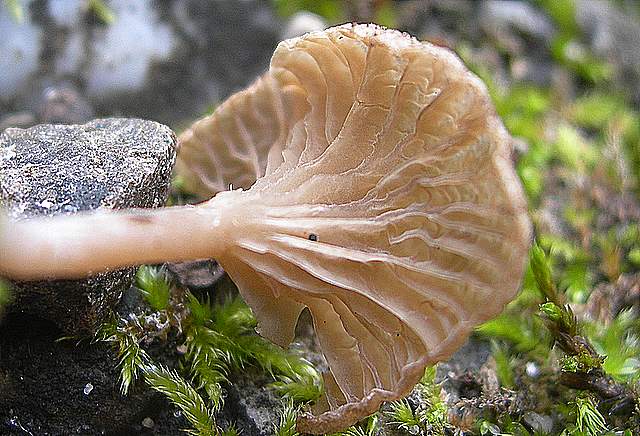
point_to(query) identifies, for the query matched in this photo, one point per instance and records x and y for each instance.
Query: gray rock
(303, 22)
(469, 358)
(19, 51)
(614, 35)
(43, 383)
(445, 22)
(59, 169)
(168, 61)
(62, 103)
(250, 405)
(542, 424)
(460, 376)
(517, 15)
(18, 119)
(199, 274)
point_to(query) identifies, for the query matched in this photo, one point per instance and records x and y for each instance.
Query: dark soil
(43, 381)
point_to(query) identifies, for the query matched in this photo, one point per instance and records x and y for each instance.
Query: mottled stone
(61, 169)
(19, 53)
(303, 22)
(496, 16)
(199, 274)
(250, 405)
(164, 60)
(613, 34)
(542, 424)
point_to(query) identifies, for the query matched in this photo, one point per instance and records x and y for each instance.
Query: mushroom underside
(372, 183)
(379, 193)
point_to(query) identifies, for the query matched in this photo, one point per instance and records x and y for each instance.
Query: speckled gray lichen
(58, 169)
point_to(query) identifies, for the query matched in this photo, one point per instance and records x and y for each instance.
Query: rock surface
(250, 405)
(168, 61)
(71, 387)
(199, 274)
(613, 34)
(56, 169)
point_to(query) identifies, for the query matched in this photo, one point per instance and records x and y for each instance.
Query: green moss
(488, 428)
(386, 14)
(219, 339)
(517, 327)
(582, 362)
(631, 138)
(516, 330)
(573, 150)
(523, 109)
(571, 53)
(366, 427)
(572, 265)
(588, 420)
(330, 10)
(184, 397)
(403, 417)
(287, 424)
(103, 12)
(619, 341)
(577, 282)
(566, 46)
(541, 269)
(630, 235)
(208, 366)
(504, 365)
(532, 180)
(526, 100)
(596, 109)
(563, 13)
(224, 335)
(155, 286)
(229, 431)
(5, 295)
(634, 256)
(15, 10)
(430, 417)
(131, 357)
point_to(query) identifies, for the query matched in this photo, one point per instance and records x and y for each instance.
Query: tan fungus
(378, 191)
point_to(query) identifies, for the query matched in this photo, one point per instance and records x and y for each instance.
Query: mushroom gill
(379, 193)
(385, 202)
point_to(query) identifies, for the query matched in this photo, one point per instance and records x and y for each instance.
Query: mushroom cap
(385, 201)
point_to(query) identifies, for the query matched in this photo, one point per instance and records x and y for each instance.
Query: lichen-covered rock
(58, 169)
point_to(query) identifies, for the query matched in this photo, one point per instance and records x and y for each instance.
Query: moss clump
(5, 295)
(218, 339)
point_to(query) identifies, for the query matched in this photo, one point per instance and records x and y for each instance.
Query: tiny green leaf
(102, 11)
(183, 396)
(5, 295)
(542, 273)
(552, 311)
(15, 9)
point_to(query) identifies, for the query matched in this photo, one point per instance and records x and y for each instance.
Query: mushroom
(373, 185)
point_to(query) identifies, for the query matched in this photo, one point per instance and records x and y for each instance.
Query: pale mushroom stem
(84, 244)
